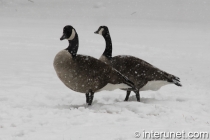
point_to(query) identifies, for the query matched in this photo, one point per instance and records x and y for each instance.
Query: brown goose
(144, 75)
(86, 74)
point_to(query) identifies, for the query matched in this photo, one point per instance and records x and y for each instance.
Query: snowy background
(173, 35)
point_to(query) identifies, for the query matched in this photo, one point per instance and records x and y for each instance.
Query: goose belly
(154, 85)
(111, 87)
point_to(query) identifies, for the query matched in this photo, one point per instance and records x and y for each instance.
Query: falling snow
(35, 105)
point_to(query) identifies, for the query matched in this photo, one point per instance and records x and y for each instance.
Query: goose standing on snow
(86, 74)
(144, 75)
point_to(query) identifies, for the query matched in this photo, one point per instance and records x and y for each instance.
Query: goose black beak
(96, 32)
(63, 37)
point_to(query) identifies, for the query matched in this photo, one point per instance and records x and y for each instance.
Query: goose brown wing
(98, 73)
(140, 71)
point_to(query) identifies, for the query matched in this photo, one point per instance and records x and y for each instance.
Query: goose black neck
(108, 50)
(73, 46)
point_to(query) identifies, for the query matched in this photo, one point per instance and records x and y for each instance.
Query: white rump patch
(72, 35)
(101, 30)
(111, 87)
(154, 85)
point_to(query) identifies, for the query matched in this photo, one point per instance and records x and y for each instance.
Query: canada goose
(144, 75)
(83, 73)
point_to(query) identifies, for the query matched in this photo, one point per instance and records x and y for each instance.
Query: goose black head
(68, 33)
(102, 30)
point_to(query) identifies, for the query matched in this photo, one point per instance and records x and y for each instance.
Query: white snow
(35, 105)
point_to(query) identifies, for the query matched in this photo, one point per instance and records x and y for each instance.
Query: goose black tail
(175, 80)
(171, 78)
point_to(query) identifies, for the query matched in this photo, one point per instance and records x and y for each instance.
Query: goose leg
(137, 96)
(87, 97)
(91, 98)
(127, 95)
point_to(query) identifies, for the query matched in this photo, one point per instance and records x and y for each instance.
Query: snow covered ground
(173, 35)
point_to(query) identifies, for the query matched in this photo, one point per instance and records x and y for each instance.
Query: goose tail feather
(175, 80)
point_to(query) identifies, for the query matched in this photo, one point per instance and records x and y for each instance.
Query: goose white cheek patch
(72, 35)
(100, 32)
